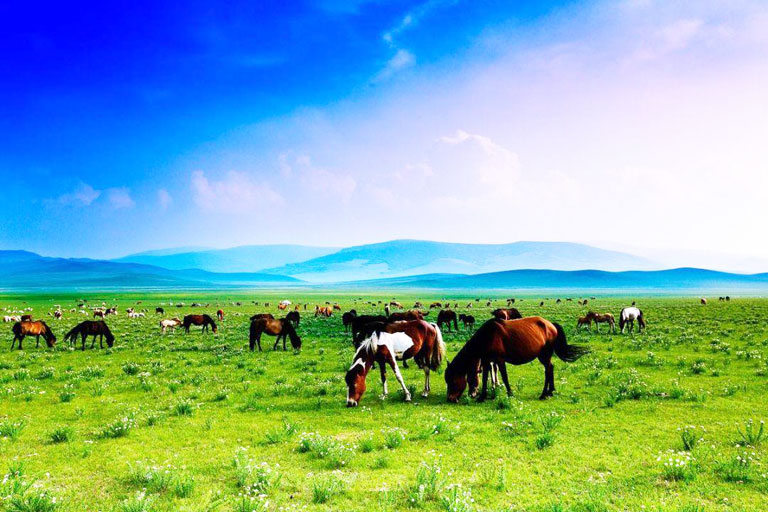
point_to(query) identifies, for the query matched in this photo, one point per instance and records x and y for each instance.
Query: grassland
(197, 422)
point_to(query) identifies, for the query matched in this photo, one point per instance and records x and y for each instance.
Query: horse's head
(355, 379)
(641, 321)
(295, 340)
(110, 339)
(456, 382)
(50, 338)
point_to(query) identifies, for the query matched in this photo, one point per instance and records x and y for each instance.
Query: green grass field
(657, 421)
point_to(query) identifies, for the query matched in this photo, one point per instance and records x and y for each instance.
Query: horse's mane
(469, 351)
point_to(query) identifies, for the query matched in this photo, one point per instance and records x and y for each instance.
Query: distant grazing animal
(509, 341)
(220, 315)
(506, 314)
(603, 318)
(91, 328)
(281, 328)
(721, 299)
(446, 316)
(204, 320)
(703, 301)
(541, 303)
(294, 317)
(98, 313)
(467, 320)
(169, 323)
(159, 311)
(57, 314)
(418, 305)
(129, 310)
(347, 318)
(728, 298)
(384, 344)
(282, 306)
(36, 329)
(469, 305)
(336, 307)
(325, 311)
(628, 317)
(11, 318)
(396, 304)
(583, 321)
(435, 305)
(136, 315)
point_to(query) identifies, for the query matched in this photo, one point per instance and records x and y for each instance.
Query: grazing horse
(57, 314)
(204, 320)
(467, 320)
(628, 316)
(703, 301)
(446, 316)
(169, 323)
(279, 328)
(36, 329)
(384, 344)
(91, 328)
(220, 315)
(583, 321)
(325, 311)
(159, 311)
(98, 313)
(282, 306)
(347, 318)
(294, 317)
(506, 314)
(509, 341)
(603, 318)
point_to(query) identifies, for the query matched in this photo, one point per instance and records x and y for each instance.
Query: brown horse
(384, 344)
(204, 320)
(407, 315)
(506, 314)
(325, 311)
(281, 328)
(509, 341)
(220, 315)
(603, 318)
(467, 320)
(91, 328)
(446, 316)
(36, 329)
(262, 315)
(584, 321)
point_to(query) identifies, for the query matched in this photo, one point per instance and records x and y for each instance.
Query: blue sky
(139, 125)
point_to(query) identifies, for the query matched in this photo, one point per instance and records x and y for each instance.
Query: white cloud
(83, 195)
(235, 192)
(120, 198)
(164, 198)
(401, 60)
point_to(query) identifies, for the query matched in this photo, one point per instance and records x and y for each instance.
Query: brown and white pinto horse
(384, 344)
(204, 320)
(36, 329)
(281, 328)
(509, 341)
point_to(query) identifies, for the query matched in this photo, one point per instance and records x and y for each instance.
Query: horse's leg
(484, 391)
(83, 336)
(550, 371)
(285, 335)
(258, 339)
(503, 370)
(277, 340)
(399, 377)
(383, 371)
(37, 344)
(545, 363)
(425, 393)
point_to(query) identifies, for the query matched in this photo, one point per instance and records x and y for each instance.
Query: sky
(637, 125)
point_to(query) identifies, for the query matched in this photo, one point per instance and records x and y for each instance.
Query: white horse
(12, 318)
(628, 316)
(135, 315)
(171, 324)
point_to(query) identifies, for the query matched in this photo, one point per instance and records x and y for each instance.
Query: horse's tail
(438, 351)
(566, 352)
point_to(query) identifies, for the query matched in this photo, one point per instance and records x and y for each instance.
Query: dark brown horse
(36, 329)
(506, 314)
(279, 328)
(294, 317)
(159, 311)
(407, 315)
(446, 316)
(509, 341)
(91, 328)
(347, 318)
(384, 344)
(204, 320)
(360, 321)
(467, 320)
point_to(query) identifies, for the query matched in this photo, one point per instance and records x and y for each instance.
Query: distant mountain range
(396, 264)
(400, 258)
(26, 270)
(247, 258)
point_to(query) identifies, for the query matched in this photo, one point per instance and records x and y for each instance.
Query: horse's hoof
(408, 398)
(425, 394)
